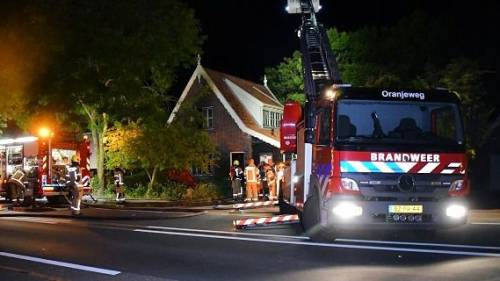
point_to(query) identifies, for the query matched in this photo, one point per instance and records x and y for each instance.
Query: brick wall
(226, 134)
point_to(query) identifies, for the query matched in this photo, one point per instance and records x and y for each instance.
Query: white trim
(231, 85)
(200, 71)
(273, 97)
(233, 114)
(184, 93)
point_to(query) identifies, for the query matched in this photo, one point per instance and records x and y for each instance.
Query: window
(208, 117)
(429, 123)
(265, 118)
(324, 127)
(271, 119)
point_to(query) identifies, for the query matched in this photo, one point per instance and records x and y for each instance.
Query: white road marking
(62, 264)
(229, 232)
(333, 245)
(28, 219)
(418, 244)
(486, 223)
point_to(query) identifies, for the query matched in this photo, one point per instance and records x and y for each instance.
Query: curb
(152, 209)
(158, 203)
(83, 216)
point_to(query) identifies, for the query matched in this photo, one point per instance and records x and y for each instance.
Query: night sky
(245, 36)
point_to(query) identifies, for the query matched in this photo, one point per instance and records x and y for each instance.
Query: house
(241, 117)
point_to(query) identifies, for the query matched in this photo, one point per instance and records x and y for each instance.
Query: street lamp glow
(44, 132)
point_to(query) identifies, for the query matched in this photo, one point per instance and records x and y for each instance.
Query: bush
(205, 191)
(172, 191)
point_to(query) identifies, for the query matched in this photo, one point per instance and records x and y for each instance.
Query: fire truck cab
(32, 167)
(380, 158)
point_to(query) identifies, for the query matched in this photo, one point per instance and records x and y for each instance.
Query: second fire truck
(35, 167)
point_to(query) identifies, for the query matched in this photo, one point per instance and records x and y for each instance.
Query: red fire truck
(367, 157)
(32, 167)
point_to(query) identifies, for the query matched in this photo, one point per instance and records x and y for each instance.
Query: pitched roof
(240, 114)
(258, 91)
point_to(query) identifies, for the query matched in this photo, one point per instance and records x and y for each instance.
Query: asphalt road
(206, 247)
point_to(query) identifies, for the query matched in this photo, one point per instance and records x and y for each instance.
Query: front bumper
(375, 214)
(59, 190)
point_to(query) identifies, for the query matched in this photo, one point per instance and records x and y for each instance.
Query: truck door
(322, 159)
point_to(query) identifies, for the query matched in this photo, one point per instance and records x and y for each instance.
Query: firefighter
(280, 177)
(271, 180)
(119, 186)
(16, 185)
(252, 179)
(262, 188)
(75, 190)
(236, 176)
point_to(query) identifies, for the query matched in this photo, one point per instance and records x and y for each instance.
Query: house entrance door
(240, 156)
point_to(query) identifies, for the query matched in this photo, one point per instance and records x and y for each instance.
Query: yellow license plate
(406, 209)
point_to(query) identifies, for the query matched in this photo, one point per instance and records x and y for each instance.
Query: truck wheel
(59, 199)
(311, 220)
(28, 200)
(285, 209)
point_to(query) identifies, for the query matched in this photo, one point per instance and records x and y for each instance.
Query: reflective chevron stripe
(397, 167)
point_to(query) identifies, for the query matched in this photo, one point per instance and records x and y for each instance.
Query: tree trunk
(101, 133)
(152, 178)
(98, 127)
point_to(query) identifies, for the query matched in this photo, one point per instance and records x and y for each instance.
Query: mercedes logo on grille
(406, 183)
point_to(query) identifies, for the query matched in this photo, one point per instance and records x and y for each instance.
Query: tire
(285, 209)
(28, 200)
(311, 220)
(59, 199)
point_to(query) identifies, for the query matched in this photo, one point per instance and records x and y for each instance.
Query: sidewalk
(98, 214)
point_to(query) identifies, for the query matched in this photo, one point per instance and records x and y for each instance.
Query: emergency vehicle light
(456, 211)
(18, 140)
(457, 185)
(349, 184)
(347, 210)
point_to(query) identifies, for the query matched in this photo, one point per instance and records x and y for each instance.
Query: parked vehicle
(33, 167)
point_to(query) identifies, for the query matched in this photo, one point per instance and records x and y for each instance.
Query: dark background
(243, 37)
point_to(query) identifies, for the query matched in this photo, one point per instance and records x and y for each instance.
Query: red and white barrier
(254, 205)
(251, 205)
(283, 219)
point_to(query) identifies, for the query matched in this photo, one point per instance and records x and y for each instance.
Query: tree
(117, 61)
(25, 49)
(286, 79)
(154, 146)
(418, 52)
(465, 76)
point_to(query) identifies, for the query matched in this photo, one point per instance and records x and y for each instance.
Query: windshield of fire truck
(399, 122)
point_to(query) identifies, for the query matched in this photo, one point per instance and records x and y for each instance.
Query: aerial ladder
(320, 70)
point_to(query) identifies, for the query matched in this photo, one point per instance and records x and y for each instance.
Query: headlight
(347, 210)
(349, 184)
(457, 185)
(456, 211)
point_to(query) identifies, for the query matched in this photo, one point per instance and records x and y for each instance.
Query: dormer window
(271, 119)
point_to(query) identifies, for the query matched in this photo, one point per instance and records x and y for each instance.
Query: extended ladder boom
(318, 61)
